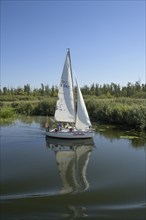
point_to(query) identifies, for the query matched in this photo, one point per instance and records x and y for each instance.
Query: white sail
(65, 108)
(82, 117)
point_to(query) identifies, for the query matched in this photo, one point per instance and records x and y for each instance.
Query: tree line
(136, 90)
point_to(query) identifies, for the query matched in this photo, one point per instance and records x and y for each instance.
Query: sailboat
(78, 124)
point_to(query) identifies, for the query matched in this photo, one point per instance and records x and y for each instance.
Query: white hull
(69, 142)
(65, 134)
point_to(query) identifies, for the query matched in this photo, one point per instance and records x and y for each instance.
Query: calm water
(44, 179)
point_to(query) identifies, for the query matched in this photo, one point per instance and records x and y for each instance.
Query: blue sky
(106, 39)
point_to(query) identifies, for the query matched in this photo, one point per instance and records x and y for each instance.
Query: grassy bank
(127, 112)
(6, 114)
(124, 111)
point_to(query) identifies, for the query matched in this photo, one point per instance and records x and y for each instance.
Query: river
(103, 178)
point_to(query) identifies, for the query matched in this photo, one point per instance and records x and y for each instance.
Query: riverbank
(121, 111)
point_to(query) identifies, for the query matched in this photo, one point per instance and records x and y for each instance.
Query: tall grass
(7, 112)
(112, 111)
(44, 107)
(128, 112)
(6, 115)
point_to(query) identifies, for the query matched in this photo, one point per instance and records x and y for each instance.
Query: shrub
(25, 108)
(7, 112)
(45, 108)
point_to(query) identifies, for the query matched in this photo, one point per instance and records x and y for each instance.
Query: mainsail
(65, 107)
(82, 117)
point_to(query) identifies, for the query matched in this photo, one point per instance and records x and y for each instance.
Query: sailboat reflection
(72, 157)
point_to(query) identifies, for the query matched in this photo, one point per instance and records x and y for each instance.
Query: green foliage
(45, 108)
(119, 111)
(24, 108)
(42, 107)
(122, 111)
(107, 104)
(7, 112)
(14, 98)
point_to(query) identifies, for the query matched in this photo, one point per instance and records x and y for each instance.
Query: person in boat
(47, 126)
(59, 126)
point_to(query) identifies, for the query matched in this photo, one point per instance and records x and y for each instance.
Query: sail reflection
(72, 157)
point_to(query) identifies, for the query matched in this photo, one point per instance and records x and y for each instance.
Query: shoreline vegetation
(108, 104)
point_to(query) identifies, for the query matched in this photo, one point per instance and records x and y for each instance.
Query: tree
(5, 90)
(27, 89)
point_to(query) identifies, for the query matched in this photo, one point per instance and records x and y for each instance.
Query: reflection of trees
(40, 120)
(139, 142)
(137, 138)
